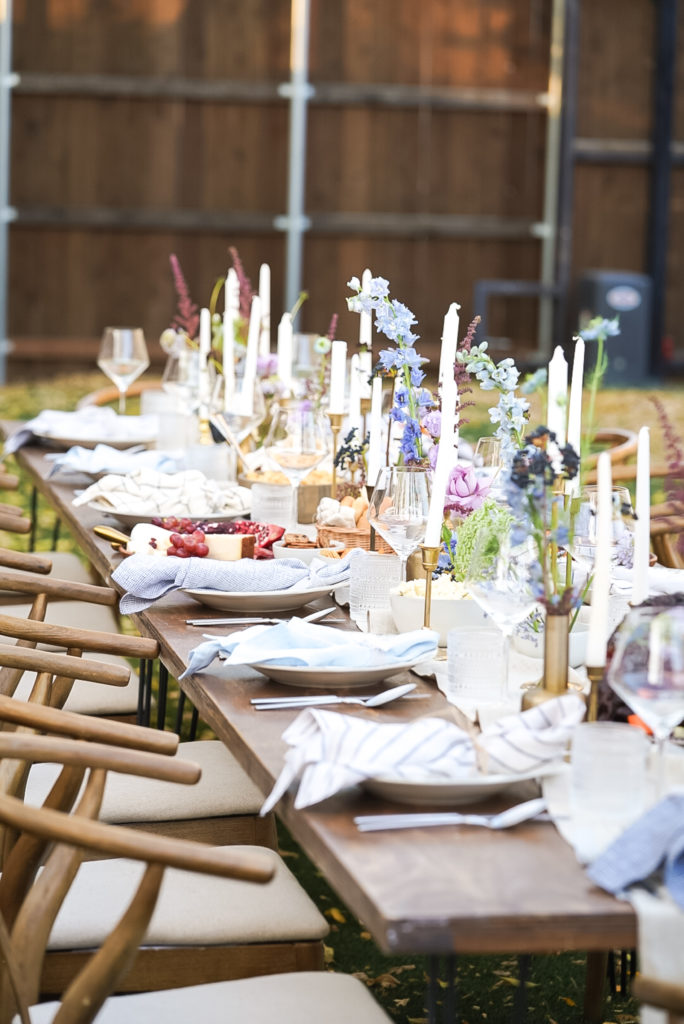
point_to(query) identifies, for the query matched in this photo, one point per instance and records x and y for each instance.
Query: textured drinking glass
(608, 777)
(272, 503)
(372, 575)
(476, 666)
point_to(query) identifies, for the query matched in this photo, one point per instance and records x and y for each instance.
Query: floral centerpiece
(410, 400)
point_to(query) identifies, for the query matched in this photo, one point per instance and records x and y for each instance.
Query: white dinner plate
(330, 677)
(129, 519)
(257, 601)
(452, 792)
(55, 441)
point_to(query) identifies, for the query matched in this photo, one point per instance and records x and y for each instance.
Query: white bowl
(445, 613)
(532, 644)
(305, 555)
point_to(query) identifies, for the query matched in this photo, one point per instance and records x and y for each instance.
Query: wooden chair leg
(595, 986)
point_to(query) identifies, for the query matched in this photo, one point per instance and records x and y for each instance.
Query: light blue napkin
(146, 579)
(654, 842)
(305, 643)
(105, 459)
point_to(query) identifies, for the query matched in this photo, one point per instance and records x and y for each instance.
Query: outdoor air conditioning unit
(612, 293)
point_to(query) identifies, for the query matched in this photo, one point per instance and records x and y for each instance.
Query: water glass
(272, 503)
(372, 575)
(608, 781)
(476, 666)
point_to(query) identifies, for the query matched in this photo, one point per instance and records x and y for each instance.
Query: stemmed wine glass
(487, 458)
(242, 417)
(499, 579)
(298, 440)
(622, 531)
(123, 357)
(399, 509)
(180, 378)
(647, 672)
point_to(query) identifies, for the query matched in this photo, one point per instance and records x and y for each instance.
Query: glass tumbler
(476, 670)
(372, 575)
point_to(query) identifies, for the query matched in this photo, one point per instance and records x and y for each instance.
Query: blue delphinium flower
(395, 320)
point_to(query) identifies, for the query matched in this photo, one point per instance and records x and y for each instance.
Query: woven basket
(327, 535)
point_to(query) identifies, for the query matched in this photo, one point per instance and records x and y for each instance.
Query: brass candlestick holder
(205, 436)
(595, 674)
(335, 425)
(430, 555)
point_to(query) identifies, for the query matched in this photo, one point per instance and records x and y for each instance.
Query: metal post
(7, 214)
(551, 176)
(299, 91)
(567, 168)
(666, 34)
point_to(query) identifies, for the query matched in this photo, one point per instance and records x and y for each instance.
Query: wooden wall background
(108, 185)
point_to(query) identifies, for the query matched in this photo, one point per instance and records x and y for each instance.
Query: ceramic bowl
(306, 555)
(532, 644)
(445, 613)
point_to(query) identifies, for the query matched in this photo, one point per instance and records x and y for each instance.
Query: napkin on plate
(85, 424)
(335, 751)
(105, 459)
(305, 643)
(661, 579)
(146, 492)
(145, 579)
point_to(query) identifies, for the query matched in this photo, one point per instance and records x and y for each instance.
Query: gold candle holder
(430, 555)
(335, 425)
(595, 674)
(205, 431)
(555, 681)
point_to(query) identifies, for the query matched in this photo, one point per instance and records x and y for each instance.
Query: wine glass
(499, 578)
(583, 548)
(399, 508)
(181, 375)
(241, 415)
(123, 357)
(647, 672)
(487, 458)
(298, 440)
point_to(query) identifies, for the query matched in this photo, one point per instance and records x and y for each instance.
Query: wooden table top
(435, 891)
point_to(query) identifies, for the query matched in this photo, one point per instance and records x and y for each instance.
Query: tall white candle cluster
(448, 441)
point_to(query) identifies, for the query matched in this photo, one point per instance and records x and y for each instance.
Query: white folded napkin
(305, 643)
(334, 751)
(146, 492)
(661, 580)
(105, 459)
(145, 579)
(83, 425)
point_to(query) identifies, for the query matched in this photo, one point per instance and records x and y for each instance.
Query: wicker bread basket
(327, 535)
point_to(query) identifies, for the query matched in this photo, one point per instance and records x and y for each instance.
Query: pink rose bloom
(464, 492)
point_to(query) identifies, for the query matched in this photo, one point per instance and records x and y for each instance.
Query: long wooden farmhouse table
(432, 891)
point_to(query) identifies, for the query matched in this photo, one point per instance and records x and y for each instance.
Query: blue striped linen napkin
(147, 579)
(305, 643)
(333, 751)
(655, 842)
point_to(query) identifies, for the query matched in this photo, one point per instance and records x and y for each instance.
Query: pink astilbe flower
(332, 329)
(246, 290)
(464, 492)
(462, 375)
(187, 317)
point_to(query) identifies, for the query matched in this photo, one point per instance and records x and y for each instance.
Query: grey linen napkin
(653, 842)
(147, 579)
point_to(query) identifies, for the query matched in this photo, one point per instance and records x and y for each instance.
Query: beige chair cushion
(192, 909)
(303, 997)
(80, 614)
(94, 698)
(224, 789)
(65, 566)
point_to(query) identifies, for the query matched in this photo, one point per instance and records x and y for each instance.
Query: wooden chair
(199, 930)
(103, 396)
(224, 808)
(667, 526)
(28, 918)
(661, 994)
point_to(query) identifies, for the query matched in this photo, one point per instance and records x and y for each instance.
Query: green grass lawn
(487, 985)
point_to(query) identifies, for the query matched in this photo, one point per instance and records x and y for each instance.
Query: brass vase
(555, 680)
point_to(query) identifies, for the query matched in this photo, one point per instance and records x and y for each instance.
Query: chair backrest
(30, 901)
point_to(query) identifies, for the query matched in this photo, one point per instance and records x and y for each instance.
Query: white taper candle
(642, 528)
(597, 638)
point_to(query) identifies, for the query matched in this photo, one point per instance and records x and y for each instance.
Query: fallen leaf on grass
(400, 1002)
(336, 915)
(568, 1000)
(328, 954)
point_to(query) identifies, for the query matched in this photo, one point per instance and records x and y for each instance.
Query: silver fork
(260, 620)
(374, 701)
(505, 819)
